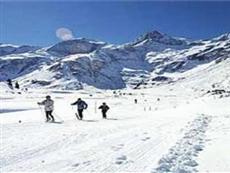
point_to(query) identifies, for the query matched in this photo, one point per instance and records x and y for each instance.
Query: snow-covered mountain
(7, 49)
(76, 46)
(179, 123)
(152, 59)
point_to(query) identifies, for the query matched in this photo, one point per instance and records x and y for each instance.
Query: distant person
(81, 105)
(9, 83)
(17, 85)
(49, 107)
(135, 101)
(104, 108)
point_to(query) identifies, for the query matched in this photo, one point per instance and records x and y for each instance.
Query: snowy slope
(181, 132)
(79, 63)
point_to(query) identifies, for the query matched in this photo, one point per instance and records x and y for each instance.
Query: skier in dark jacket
(17, 85)
(104, 108)
(49, 107)
(81, 105)
(9, 83)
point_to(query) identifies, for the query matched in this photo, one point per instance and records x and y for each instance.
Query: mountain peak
(82, 39)
(79, 45)
(161, 38)
(153, 35)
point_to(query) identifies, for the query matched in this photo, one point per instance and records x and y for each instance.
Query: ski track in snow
(182, 157)
(126, 146)
(58, 144)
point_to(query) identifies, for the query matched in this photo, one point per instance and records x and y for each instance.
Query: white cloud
(64, 34)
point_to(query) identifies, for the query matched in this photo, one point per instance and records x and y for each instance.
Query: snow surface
(181, 132)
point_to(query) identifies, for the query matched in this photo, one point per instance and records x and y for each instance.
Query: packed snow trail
(134, 138)
(182, 156)
(216, 156)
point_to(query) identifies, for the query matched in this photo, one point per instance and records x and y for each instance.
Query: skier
(104, 108)
(81, 105)
(17, 85)
(9, 83)
(135, 101)
(49, 107)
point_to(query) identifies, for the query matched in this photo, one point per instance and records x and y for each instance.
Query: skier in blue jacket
(81, 105)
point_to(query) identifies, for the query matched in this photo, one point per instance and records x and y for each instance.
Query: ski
(55, 122)
(77, 116)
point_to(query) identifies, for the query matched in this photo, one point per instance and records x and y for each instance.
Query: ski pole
(41, 110)
(73, 109)
(75, 113)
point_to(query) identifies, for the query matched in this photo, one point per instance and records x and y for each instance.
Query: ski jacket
(104, 108)
(49, 105)
(80, 104)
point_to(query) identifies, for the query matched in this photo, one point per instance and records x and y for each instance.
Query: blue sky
(35, 23)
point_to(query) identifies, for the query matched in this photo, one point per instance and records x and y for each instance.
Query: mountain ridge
(81, 62)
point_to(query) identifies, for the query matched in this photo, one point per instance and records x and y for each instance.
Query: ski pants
(104, 114)
(80, 113)
(49, 115)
